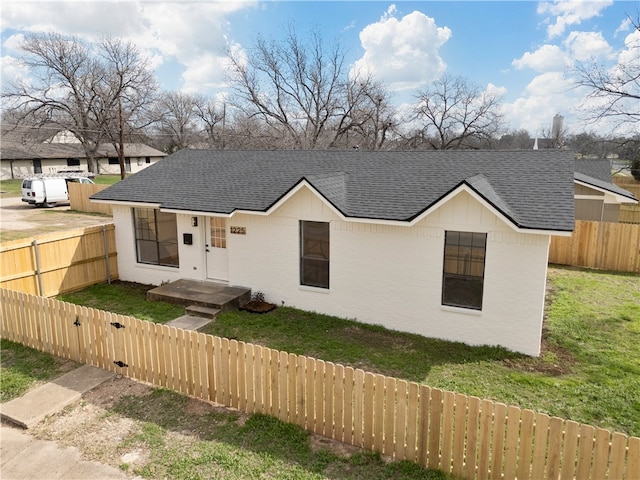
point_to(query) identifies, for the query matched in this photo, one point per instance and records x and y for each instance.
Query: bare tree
(366, 115)
(176, 120)
(212, 119)
(81, 87)
(515, 140)
(454, 113)
(615, 91)
(301, 92)
(127, 91)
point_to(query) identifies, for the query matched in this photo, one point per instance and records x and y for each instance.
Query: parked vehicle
(48, 191)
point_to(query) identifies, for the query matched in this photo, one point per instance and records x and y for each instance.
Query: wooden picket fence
(608, 246)
(59, 262)
(463, 435)
(79, 194)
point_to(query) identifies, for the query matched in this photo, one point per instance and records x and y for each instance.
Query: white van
(48, 191)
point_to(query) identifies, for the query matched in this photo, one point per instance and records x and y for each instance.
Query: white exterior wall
(191, 256)
(137, 164)
(379, 274)
(24, 168)
(392, 276)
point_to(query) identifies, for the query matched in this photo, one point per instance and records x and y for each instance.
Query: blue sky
(523, 49)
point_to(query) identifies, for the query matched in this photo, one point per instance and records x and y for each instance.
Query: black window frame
(73, 162)
(315, 258)
(156, 237)
(113, 161)
(463, 269)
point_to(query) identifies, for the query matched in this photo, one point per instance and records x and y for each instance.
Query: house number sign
(238, 230)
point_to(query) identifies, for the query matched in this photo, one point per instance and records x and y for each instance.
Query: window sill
(465, 311)
(307, 288)
(155, 266)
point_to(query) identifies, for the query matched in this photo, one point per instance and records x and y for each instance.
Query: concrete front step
(206, 294)
(200, 311)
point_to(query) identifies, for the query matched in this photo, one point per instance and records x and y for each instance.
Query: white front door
(216, 248)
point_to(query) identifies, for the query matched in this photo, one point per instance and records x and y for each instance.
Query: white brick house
(450, 245)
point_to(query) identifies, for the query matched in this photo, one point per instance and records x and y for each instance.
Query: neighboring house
(19, 159)
(597, 197)
(451, 244)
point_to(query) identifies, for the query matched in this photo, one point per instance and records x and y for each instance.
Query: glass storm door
(216, 248)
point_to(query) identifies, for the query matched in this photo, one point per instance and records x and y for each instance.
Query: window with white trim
(314, 254)
(463, 271)
(156, 235)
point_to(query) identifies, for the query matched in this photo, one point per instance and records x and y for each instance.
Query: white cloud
(546, 58)
(183, 32)
(586, 45)
(630, 54)
(570, 12)
(624, 26)
(402, 52)
(12, 70)
(546, 95)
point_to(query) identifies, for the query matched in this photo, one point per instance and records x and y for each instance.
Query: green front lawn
(22, 368)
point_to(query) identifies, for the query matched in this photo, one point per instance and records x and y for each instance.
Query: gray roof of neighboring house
(597, 172)
(10, 150)
(532, 188)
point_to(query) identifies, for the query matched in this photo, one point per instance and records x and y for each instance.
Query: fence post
(106, 253)
(37, 255)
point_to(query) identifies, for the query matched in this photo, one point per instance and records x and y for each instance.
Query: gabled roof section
(597, 173)
(332, 186)
(481, 185)
(532, 188)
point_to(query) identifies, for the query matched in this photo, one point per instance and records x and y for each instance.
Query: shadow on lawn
(372, 348)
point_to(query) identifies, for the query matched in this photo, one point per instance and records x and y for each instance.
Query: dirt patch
(93, 425)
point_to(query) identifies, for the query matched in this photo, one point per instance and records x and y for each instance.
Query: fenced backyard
(60, 262)
(607, 246)
(456, 433)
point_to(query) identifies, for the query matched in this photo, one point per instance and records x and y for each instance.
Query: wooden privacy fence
(79, 194)
(628, 183)
(59, 262)
(469, 437)
(609, 246)
(629, 214)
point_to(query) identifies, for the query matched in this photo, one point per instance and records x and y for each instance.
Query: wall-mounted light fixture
(194, 221)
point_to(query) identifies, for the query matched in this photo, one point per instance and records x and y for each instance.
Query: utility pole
(123, 172)
(224, 121)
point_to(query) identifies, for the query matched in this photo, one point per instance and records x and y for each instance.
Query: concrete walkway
(25, 457)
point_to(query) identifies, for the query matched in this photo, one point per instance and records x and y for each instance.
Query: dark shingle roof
(532, 188)
(27, 151)
(598, 174)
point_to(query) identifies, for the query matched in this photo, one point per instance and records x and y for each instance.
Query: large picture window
(463, 272)
(156, 235)
(314, 254)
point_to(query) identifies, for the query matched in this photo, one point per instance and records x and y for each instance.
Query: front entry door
(216, 248)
